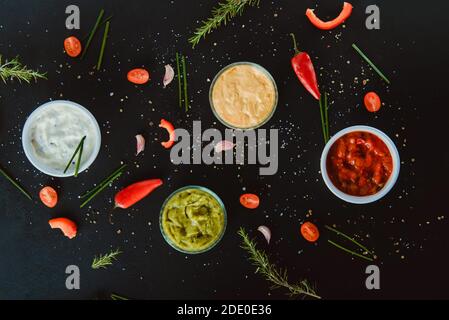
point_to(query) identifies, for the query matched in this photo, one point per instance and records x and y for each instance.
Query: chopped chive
(15, 184)
(184, 76)
(117, 297)
(103, 45)
(349, 251)
(92, 33)
(179, 80)
(360, 52)
(78, 161)
(349, 238)
(323, 122)
(74, 154)
(106, 182)
(90, 192)
(326, 117)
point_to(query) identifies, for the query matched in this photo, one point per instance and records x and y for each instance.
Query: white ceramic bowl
(28, 148)
(391, 181)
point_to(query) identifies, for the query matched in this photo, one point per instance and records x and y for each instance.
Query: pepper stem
(295, 46)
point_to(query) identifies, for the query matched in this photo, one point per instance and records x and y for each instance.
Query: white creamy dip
(56, 132)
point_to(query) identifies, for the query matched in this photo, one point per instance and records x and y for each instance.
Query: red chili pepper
(167, 125)
(136, 192)
(303, 67)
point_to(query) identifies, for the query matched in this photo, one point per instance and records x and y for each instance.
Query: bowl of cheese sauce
(53, 132)
(243, 96)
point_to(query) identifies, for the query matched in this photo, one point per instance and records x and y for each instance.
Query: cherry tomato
(372, 102)
(49, 197)
(310, 231)
(72, 46)
(138, 76)
(250, 201)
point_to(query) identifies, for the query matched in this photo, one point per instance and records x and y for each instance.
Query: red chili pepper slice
(136, 192)
(332, 24)
(303, 67)
(67, 226)
(167, 125)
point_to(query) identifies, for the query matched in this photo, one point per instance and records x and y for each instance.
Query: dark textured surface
(407, 229)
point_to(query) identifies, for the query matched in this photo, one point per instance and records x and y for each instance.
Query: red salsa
(359, 164)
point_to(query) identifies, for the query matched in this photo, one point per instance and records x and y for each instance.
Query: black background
(407, 229)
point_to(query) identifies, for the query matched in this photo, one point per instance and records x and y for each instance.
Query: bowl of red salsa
(360, 164)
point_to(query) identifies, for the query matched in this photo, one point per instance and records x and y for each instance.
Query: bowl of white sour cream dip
(53, 132)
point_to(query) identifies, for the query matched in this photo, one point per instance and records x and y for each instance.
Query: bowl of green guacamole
(193, 219)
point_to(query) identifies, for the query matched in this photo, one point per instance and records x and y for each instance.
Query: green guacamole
(193, 220)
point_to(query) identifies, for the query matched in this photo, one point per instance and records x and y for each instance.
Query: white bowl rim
(391, 181)
(27, 146)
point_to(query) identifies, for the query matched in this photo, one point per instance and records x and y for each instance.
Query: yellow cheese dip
(244, 96)
(192, 220)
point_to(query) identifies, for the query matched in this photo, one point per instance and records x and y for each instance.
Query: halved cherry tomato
(328, 25)
(67, 226)
(167, 125)
(250, 201)
(72, 46)
(138, 76)
(49, 197)
(372, 102)
(310, 231)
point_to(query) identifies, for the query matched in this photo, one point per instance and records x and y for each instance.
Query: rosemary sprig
(102, 185)
(93, 31)
(79, 151)
(15, 184)
(278, 277)
(221, 14)
(178, 67)
(103, 261)
(103, 45)
(368, 60)
(324, 108)
(13, 69)
(365, 250)
(184, 77)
